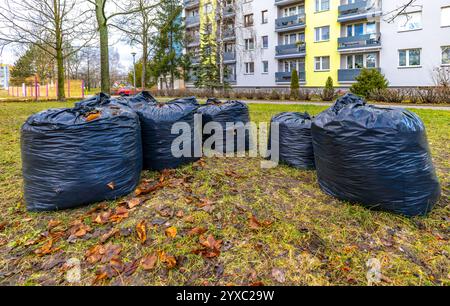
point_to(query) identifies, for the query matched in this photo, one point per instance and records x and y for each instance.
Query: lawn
(221, 222)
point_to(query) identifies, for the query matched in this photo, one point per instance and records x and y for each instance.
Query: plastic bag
(189, 100)
(233, 112)
(294, 140)
(74, 157)
(378, 157)
(157, 121)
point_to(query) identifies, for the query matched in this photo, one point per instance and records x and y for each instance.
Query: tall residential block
(264, 40)
(4, 76)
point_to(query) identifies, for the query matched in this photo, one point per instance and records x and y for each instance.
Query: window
(290, 65)
(294, 10)
(445, 16)
(410, 22)
(248, 20)
(359, 61)
(293, 38)
(322, 5)
(249, 44)
(265, 42)
(409, 58)
(264, 17)
(322, 63)
(446, 55)
(265, 67)
(250, 68)
(322, 33)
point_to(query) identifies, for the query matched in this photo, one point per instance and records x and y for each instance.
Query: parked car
(124, 91)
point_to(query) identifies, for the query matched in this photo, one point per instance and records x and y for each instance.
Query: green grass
(314, 239)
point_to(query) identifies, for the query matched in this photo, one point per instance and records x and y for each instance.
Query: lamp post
(134, 71)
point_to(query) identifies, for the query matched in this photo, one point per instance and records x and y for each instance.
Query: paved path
(432, 107)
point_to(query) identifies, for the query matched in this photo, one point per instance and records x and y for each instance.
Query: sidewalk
(430, 107)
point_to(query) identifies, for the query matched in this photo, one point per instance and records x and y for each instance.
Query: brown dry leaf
(92, 117)
(180, 214)
(102, 217)
(131, 267)
(168, 260)
(189, 219)
(120, 213)
(232, 174)
(95, 254)
(112, 185)
(145, 188)
(27, 219)
(141, 230)
(79, 229)
(255, 224)
(149, 262)
(110, 252)
(211, 247)
(197, 231)
(46, 248)
(52, 224)
(171, 232)
(105, 237)
(133, 203)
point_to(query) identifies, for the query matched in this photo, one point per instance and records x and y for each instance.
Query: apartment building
(266, 39)
(4, 76)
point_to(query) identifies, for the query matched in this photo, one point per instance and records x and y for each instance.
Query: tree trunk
(144, 61)
(60, 74)
(104, 47)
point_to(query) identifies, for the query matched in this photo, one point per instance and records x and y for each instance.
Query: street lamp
(134, 71)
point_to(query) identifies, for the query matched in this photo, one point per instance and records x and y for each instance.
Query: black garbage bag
(74, 157)
(378, 157)
(157, 138)
(294, 140)
(188, 100)
(93, 101)
(142, 97)
(233, 112)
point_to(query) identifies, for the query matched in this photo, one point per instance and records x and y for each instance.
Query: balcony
(349, 75)
(290, 51)
(229, 11)
(285, 77)
(359, 10)
(195, 60)
(188, 4)
(286, 2)
(192, 21)
(290, 23)
(229, 34)
(367, 41)
(230, 79)
(229, 57)
(193, 41)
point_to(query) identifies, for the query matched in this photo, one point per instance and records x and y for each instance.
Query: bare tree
(106, 12)
(137, 29)
(51, 25)
(401, 9)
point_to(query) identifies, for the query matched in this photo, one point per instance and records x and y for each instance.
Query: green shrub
(369, 80)
(275, 95)
(295, 86)
(328, 93)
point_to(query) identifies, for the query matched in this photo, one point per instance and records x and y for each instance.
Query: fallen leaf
(278, 275)
(78, 229)
(105, 237)
(180, 214)
(120, 213)
(146, 188)
(168, 260)
(255, 224)
(189, 219)
(131, 267)
(102, 217)
(52, 224)
(171, 232)
(211, 247)
(46, 248)
(141, 230)
(133, 203)
(197, 231)
(112, 185)
(92, 117)
(149, 262)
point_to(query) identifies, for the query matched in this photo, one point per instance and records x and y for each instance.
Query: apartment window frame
(249, 20)
(265, 42)
(265, 17)
(445, 12)
(249, 68)
(320, 60)
(445, 60)
(319, 33)
(249, 44)
(407, 55)
(404, 28)
(320, 7)
(265, 67)
(361, 60)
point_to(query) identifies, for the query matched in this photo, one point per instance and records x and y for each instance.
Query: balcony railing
(191, 3)
(290, 23)
(229, 11)
(349, 75)
(230, 79)
(192, 20)
(195, 60)
(291, 50)
(360, 41)
(229, 34)
(229, 56)
(285, 77)
(286, 2)
(358, 10)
